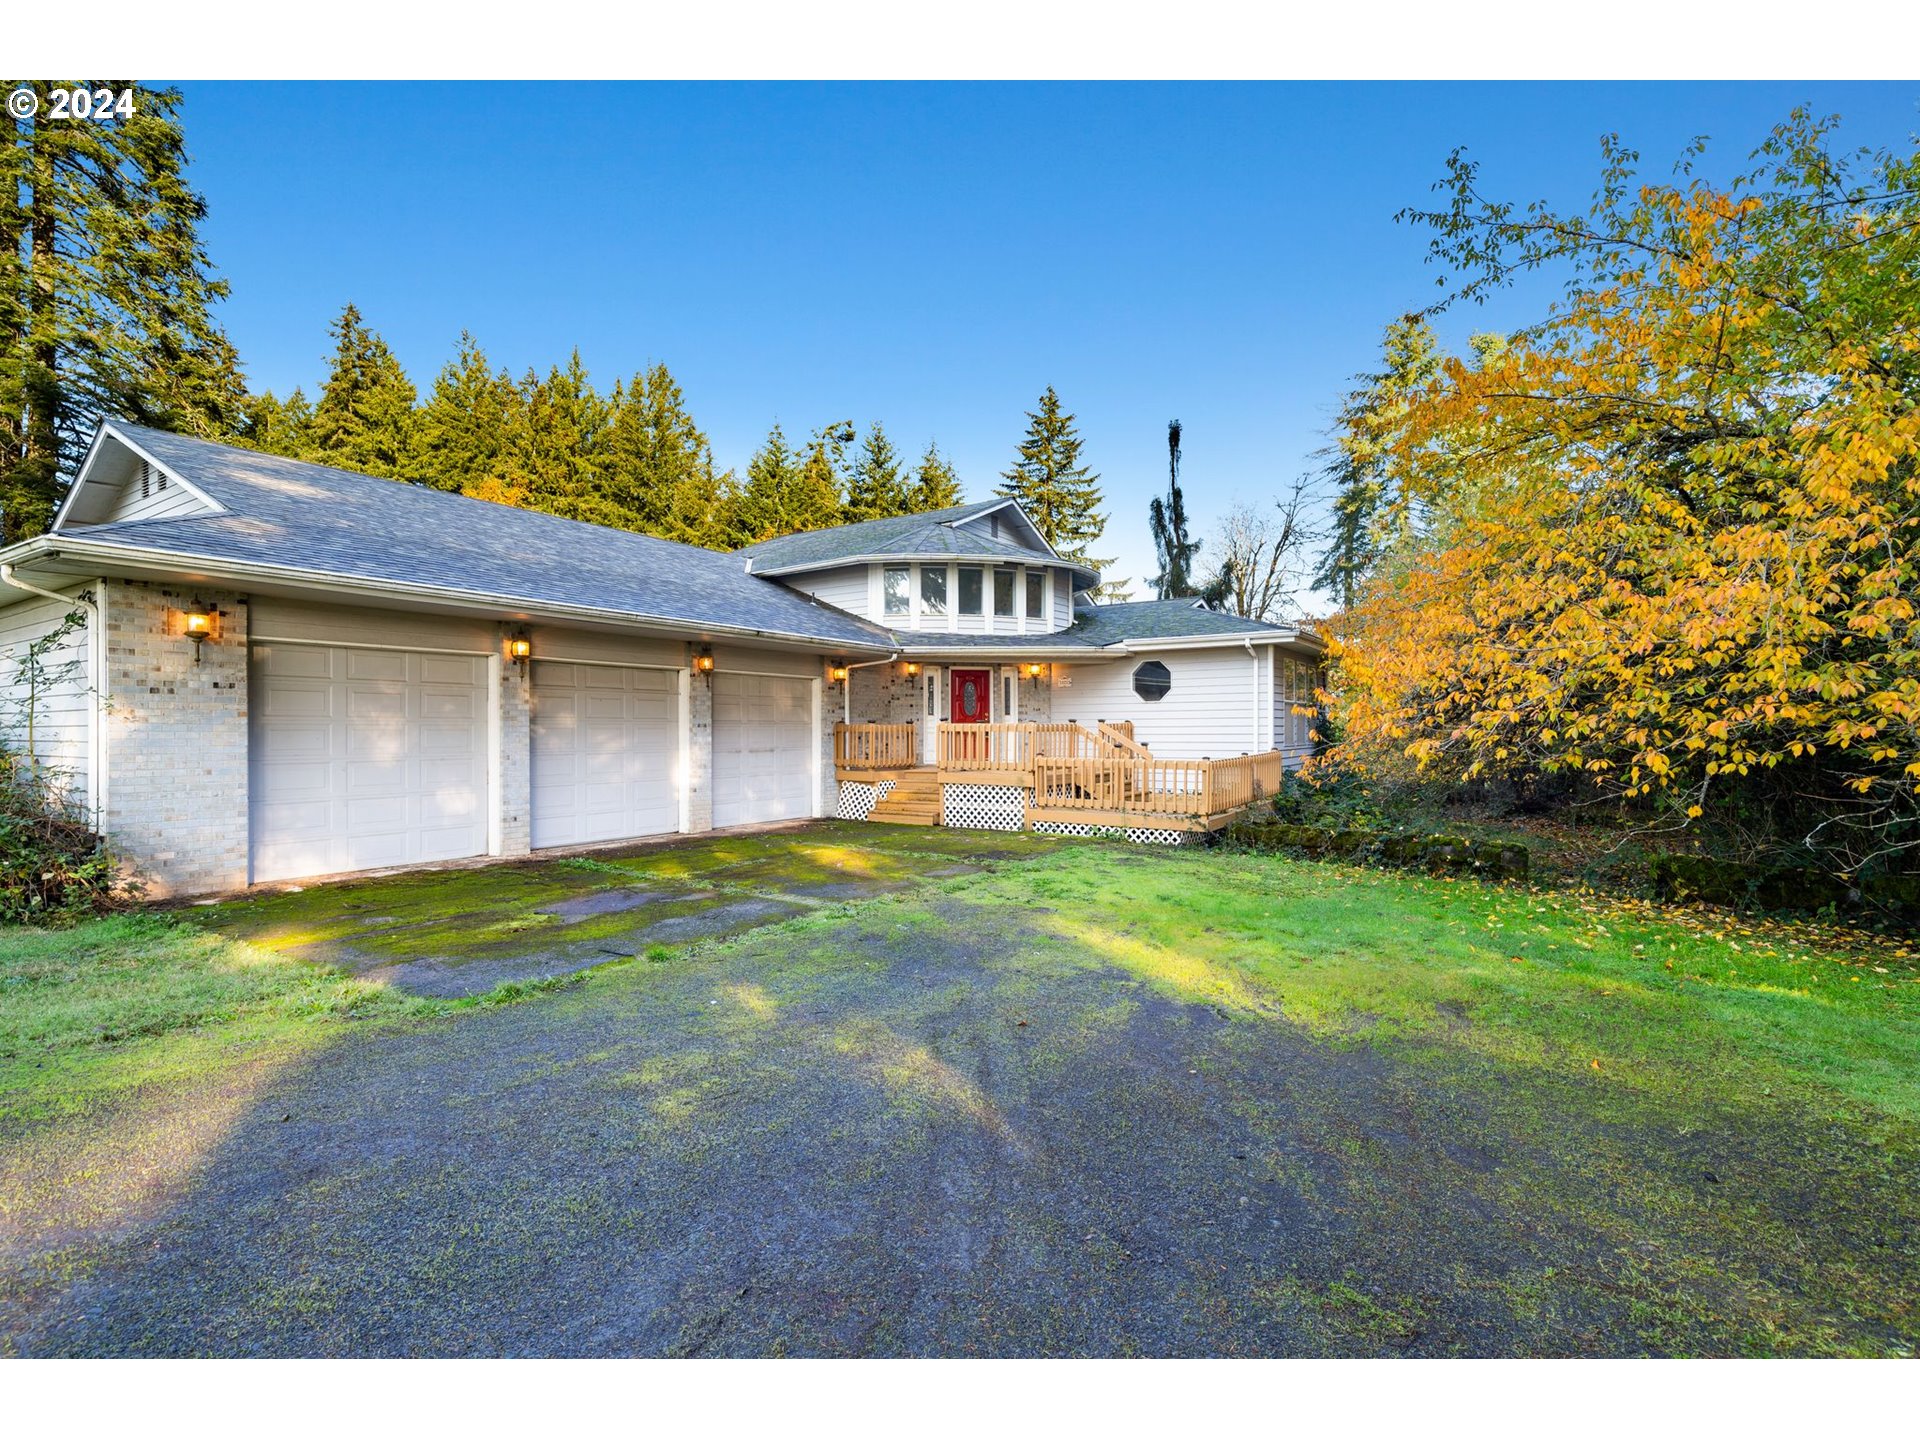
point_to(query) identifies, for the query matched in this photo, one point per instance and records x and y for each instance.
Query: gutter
(471, 600)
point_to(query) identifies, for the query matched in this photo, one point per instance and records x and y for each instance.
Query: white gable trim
(84, 478)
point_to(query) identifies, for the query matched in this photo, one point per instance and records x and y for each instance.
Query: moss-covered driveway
(465, 932)
(1070, 1099)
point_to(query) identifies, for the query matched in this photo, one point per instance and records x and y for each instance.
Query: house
(275, 670)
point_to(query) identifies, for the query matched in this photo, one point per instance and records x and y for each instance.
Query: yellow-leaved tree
(1671, 533)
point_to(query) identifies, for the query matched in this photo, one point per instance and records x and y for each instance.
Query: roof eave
(216, 568)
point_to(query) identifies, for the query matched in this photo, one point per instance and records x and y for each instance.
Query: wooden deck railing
(875, 747)
(1069, 767)
(1146, 785)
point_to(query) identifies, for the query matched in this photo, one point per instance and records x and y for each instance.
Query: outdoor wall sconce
(912, 669)
(1033, 672)
(197, 626)
(520, 648)
(838, 671)
(703, 662)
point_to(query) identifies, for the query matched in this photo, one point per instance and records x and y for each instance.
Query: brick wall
(176, 738)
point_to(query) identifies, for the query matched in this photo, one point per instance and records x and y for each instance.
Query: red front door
(972, 697)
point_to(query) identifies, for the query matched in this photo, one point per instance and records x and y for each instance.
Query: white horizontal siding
(157, 504)
(58, 714)
(1062, 599)
(847, 588)
(1211, 711)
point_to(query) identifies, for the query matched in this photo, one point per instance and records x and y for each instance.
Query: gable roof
(932, 534)
(315, 520)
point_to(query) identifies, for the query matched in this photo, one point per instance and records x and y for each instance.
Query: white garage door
(606, 753)
(360, 759)
(762, 749)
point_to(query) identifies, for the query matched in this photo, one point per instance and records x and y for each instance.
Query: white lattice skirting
(983, 807)
(1139, 835)
(857, 798)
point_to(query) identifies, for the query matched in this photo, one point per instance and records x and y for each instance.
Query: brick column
(176, 738)
(514, 760)
(700, 752)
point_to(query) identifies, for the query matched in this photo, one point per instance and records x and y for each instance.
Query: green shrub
(1437, 854)
(1714, 881)
(53, 868)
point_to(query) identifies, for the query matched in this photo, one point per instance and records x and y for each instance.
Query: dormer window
(972, 582)
(897, 589)
(933, 590)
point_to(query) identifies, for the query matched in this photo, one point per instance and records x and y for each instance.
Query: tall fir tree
(1167, 521)
(817, 497)
(1058, 492)
(106, 293)
(877, 488)
(759, 509)
(364, 418)
(664, 462)
(1365, 511)
(936, 484)
(459, 433)
(279, 427)
(555, 448)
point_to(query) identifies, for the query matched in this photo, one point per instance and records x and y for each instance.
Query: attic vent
(146, 480)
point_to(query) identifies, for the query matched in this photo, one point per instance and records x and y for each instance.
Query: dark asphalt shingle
(315, 517)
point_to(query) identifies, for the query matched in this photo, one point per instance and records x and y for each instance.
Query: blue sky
(931, 256)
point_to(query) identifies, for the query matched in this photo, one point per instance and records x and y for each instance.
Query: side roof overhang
(54, 560)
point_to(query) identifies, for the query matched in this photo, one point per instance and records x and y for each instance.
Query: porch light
(197, 626)
(1033, 671)
(913, 668)
(838, 671)
(519, 647)
(703, 662)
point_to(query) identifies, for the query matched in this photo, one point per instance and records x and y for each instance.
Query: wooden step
(915, 818)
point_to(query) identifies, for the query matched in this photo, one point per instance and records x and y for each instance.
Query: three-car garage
(364, 757)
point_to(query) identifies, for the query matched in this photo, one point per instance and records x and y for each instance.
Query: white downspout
(96, 653)
(1254, 655)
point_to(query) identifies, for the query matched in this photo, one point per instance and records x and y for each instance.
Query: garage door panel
(763, 761)
(357, 763)
(375, 665)
(606, 752)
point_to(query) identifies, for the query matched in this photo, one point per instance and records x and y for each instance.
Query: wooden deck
(1071, 775)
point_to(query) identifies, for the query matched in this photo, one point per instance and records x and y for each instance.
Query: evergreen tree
(664, 462)
(1167, 520)
(277, 426)
(878, 486)
(555, 446)
(1059, 494)
(817, 495)
(1365, 511)
(936, 484)
(759, 510)
(106, 294)
(459, 434)
(364, 419)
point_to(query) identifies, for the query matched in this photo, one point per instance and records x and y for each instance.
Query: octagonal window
(1152, 680)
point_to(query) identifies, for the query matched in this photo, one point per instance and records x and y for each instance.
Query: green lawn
(1604, 1037)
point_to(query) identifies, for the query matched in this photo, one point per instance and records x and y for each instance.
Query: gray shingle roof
(314, 517)
(930, 533)
(1160, 620)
